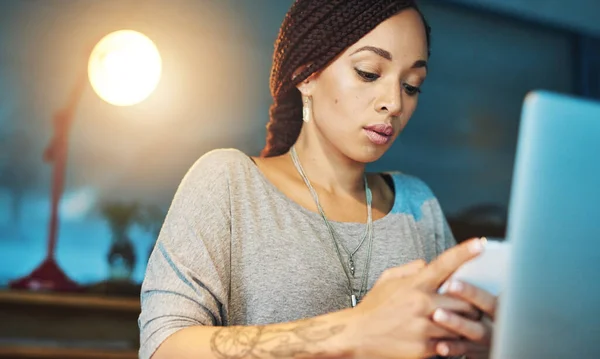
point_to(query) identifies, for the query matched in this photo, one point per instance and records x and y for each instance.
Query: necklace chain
(367, 234)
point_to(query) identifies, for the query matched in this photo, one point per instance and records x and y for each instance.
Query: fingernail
(456, 287)
(440, 316)
(444, 288)
(443, 349)
(476, 245)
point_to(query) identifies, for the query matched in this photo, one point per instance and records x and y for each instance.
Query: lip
(379, 134)
(377, 138)
(381, 128)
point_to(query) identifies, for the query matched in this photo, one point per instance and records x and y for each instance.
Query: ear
(307, 86)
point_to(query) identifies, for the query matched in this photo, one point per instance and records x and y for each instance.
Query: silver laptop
(550, 307)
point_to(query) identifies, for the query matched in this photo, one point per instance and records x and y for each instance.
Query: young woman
(299, 253)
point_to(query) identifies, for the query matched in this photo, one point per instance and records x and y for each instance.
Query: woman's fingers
(475, 331)
(407, 270)
(456, 305)
(452, 348)
(431, 330)
(441, 268)
(478, 297)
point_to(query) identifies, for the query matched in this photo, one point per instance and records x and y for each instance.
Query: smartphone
(488, 270)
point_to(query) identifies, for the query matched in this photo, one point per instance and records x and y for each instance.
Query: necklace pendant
(351, 264)
(353, 300)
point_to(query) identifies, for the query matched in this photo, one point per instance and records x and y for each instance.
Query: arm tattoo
(254, 342)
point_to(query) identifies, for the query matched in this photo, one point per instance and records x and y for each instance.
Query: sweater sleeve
(188, 274)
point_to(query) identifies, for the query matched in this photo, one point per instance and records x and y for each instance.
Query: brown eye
(367, 76)
(411, 90)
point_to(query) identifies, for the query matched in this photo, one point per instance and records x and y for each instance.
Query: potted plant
(121, 256)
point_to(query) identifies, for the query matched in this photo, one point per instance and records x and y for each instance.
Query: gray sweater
(234, 250)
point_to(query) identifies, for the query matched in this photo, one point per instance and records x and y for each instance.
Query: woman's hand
(395, 319)
(478, 332)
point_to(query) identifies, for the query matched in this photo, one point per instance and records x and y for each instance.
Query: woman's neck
(326, 167)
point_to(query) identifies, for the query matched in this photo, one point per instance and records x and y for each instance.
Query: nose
(390, 103)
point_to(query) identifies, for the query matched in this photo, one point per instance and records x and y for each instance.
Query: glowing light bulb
(124, 68)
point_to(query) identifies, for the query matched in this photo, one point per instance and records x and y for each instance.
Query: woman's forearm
(328, 336)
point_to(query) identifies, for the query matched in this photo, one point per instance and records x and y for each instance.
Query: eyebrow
(386, 55)
(420, 64)
(379, 51)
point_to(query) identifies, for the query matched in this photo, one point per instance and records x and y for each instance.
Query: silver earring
(306, 110)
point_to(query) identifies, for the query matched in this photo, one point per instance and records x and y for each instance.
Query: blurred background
(124, 163)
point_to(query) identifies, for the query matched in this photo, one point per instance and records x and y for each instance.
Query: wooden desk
(53, 353)
(67, 326)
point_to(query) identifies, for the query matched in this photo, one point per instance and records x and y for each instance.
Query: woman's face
(365, 97)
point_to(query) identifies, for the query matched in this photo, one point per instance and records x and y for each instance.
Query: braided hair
(313, 33)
